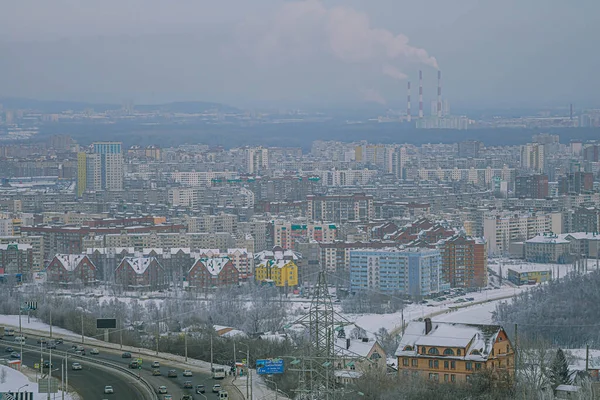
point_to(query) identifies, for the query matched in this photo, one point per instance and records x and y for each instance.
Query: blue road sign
(269, 366)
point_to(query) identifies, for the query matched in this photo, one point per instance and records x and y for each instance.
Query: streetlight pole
(274, 383)
(19, 390)
(249, 377)
(49, 373)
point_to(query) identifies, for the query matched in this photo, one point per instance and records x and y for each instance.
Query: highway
(91, 383)
(88, 383)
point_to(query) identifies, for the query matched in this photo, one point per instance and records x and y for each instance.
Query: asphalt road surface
(91, 381)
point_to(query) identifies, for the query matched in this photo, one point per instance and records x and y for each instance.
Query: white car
(108, 390)
(187, 372)
(76, 366)
(162, 389)
(94, 352)
(216, 388)
(155, 364)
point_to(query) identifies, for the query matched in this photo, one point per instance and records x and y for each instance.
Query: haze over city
(300, 53)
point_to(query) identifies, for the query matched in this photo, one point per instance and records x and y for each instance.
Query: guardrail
(144, 383)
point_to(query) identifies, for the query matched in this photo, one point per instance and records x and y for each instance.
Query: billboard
(269, 366)
(106, 323)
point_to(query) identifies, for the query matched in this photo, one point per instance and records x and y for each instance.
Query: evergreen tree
(559, 370)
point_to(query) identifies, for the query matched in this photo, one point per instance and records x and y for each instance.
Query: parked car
(172, 373)
(126, 355)
(108, 390)
(156, 372)
(200, 389)
(162, 389)
(188, 385)
(155, 364)
(76, 366)
(216, 388)
(187, 373)
(94, 352)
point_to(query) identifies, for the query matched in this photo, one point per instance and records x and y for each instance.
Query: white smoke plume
(373, 96)
(307, 27)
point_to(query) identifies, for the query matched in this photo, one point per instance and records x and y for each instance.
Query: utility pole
(82, 340)
(211, 355)
(157, 335)
(249, 377)
(20, 330)
(587, 357)
(49, 373)
(62, 379)
(185, 342)
(50, 322)
(516, 353)
(234, 359)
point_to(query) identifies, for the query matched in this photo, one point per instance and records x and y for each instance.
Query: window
(477, 366)
(430, 364)
(408, 348)
(507, 348)
(436, 364)
(453, 378)
(434, 351)
(448, 352)
(434, 377)
(423, 350)
(453, 364)
(492, 351)
(415, 362)
(446, 364)
(468, 365)
(458, 352)
(405, 362)
(445, 377)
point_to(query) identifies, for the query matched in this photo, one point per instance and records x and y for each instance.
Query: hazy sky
(327, 52)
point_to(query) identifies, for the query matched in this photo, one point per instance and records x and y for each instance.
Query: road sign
(139, 361)
(30, 305)
(36, 366)
(106, 323)
(43, 386)
(269, 366)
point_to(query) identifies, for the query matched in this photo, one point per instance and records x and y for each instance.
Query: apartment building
(288, 234)
(165, 241)
(342, 208)
(475, 176)
(211, 272)
(277, 266)
(500, 229)
(464, 261)
(16, 259)
(140, 273)
(416, 272)
(532, 186)
(71, 269)
(37, 248)
(533, 157)
(451, 352)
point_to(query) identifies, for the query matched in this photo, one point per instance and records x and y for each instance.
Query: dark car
(187, 397)
(42, 341)
(51, 345)
(14, 354)
(59, 340)
(172, 373)
(126, 355)
(48, 365)
(200, 389)
(134, 364)
(9, 350)
(188, 385)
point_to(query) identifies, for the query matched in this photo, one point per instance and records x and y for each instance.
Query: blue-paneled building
(412, 271)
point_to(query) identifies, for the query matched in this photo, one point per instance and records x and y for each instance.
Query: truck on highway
(9, 332)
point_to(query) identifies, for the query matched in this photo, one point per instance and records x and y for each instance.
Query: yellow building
(452, 352)
(281, 272)
(277, 265)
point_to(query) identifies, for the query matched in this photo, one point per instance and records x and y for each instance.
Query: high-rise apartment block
(464, 261)
(414, 271)
(257, 160)
(533, 157)
(532, 186)
(343, 208)
(101, 169)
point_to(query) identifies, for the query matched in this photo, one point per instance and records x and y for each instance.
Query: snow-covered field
(34, 324)
(14, 380)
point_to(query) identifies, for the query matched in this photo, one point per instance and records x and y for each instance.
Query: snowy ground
(15, 379)
(33, 324)
(558, 270)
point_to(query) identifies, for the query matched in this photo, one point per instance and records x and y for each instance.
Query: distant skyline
(328, 53)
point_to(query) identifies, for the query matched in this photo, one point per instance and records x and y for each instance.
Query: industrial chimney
(408, 116)
(427, 325)
(420, 94)
(439, 96)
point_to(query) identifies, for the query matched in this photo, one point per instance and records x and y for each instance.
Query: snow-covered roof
(147, 251)
(139, 264)
(476, 340)
(357, 347)
(238, 250)
(339, 373)
(555, 239)
(70, 261)
(186, 250)
(20, 246)
(214, 265)
(278, 254)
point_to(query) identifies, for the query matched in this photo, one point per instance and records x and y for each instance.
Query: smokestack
(570, 108)
(420, 94)
(428, 325)
(439, 98)
(347, 343)
(408, 116)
